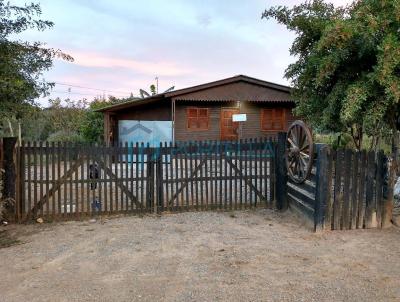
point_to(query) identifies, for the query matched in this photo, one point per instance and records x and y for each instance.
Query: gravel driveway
(258, 255)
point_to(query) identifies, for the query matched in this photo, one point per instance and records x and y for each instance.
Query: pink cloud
(161, 68)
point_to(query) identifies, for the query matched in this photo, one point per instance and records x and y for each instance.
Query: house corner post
(281, 173)
(322, 208)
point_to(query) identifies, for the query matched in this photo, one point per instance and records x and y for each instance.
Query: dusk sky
(121, 46)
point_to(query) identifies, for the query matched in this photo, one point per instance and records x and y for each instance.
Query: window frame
(274, 119)
(197, 118)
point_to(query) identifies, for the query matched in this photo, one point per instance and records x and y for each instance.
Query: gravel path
(256, 255)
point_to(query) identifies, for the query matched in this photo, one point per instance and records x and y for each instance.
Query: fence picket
(345, 224)
(354, 190)
(370, 214)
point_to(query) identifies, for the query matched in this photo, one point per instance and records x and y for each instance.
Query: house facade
(203, 112)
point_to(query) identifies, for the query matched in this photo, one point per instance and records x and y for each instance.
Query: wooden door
(229, 129)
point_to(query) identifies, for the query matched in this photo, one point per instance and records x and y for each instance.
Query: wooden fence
(346, 190)
(71, 181)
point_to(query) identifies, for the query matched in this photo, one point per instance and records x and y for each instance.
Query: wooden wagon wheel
(299, 151)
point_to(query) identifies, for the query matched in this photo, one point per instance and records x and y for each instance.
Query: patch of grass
(6, 240)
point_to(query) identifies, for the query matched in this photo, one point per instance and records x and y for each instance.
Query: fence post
(9, 193)
(281, 173)
(150, 178)
(388, 198)
(322, 208)
(159, 180)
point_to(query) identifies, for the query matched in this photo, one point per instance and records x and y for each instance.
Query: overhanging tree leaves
(23, 63)
(347, 74)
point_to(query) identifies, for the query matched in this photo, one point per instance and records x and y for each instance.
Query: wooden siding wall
(158, 111)
(251, 128)
(213, 133)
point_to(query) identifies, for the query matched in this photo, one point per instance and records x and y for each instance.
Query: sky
(121, 46)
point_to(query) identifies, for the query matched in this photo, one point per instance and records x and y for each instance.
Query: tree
(93, 124)
(347, 74)
(23, 63)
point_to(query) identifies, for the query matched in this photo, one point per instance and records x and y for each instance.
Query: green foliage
(22, 63)
(153, 89)
(92, 128)
(347, 74)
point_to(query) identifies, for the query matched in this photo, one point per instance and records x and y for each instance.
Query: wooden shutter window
(198, 118)
(273, 119)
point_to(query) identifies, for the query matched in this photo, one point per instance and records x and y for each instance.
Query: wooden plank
(134, 208)
(354, 190)
(301, 194)
(201, 157)
(380, 161)
(361, 190)
(87, 162)
(233, 175)
(241, 178)
(251, 160)
(181, 170)
(166, 169)
(71, 163)
(149, 179)
(256, 180)
(271, 173)
(187, 146)
(214, 159)
(41, 190)
(20, 181)
(370, 210)
(125, 173)
(29, 172)
(322, 212)
(137, 182)
(57, 177)
(53, 179)
(34, 210)
(171, 159)
(245, 158)
(345, 221)
(104, 176)
(225, 185)
(112, 180)
(77, 201)
(211, 169)
(207, 174)
(281, 175)
(220, 182)
(391, 167)
(176, 177)
(83, 209)
(337, 203)
(116, 180)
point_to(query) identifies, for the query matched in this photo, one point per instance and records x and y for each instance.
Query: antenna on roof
(169, 89)
(144, 94)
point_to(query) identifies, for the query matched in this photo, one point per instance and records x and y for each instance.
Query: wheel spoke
(291, 142)
(304, 154)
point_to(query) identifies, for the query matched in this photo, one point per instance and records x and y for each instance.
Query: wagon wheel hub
(295, 151)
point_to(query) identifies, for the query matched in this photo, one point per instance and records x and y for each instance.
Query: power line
(77, 93)
(85, 87)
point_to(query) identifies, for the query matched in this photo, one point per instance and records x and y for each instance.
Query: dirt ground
(258, 255)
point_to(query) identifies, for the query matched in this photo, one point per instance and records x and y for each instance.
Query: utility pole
(157, 85)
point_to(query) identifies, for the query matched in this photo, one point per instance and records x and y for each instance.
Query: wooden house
(203, 112)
